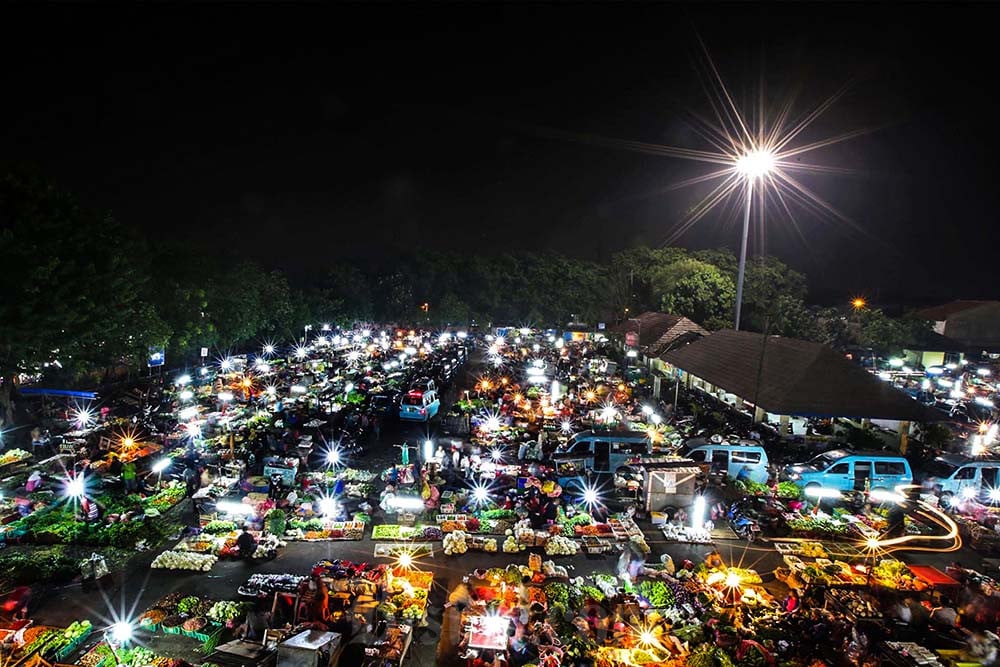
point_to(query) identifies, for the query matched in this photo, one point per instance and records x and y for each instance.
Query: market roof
(658, 331)
(794, 377)
(931, 341)
(946, 310)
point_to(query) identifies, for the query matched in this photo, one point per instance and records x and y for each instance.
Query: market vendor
(129, 476)
(246, 544)
(34, 481)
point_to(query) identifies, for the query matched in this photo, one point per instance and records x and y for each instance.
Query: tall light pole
(753, 165)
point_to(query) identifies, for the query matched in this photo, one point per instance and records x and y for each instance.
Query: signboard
(601, 326)
(204, 352)
(157, 356)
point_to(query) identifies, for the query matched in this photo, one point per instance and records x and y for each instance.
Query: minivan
(419, 406)
(600, 453)
(731, 458)
(955, 475)
(846, 470)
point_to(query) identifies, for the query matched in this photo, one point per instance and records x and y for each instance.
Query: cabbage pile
(561, 546)
(184, 560)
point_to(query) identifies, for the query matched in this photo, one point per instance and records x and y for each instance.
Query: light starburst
(756, 154)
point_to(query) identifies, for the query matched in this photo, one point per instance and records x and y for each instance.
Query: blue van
(738, 459)
(846, 470)
(419, 406)
(955, 475)
(599, 453)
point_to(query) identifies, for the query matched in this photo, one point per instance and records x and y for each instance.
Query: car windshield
(413, 399)
(823, 460)
(940, 469)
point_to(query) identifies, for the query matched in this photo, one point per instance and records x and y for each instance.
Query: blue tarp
(29, 391)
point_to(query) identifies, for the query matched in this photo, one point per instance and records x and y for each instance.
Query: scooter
(745, 526)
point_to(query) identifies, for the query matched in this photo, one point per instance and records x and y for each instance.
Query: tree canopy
(83, 292)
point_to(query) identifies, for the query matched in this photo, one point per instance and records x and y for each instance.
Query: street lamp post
(754, 164)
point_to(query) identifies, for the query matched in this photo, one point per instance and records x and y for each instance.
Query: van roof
(962, 459)
(702, 442)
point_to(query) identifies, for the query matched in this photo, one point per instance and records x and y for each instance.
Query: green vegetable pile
(219, 527)
(276, 522)
(187, 605)
(307, 524)
(657, 592)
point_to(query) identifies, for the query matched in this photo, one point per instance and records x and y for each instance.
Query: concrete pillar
(784, 421)
(759, 414)
(866, 423)
(904, 436)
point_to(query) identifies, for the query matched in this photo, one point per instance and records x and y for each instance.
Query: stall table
(933, 576)
(311, 648)
(487, 633)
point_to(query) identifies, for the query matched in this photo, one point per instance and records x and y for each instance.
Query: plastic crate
(65, 651)
(175, 630)
(204, 634)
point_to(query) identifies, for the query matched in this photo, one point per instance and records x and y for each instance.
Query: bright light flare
(820, 492)
(732, 580)
(83, 418)
(301, 352)
(756, 163)
(328, 506)
(592, 497)
(161, 465)
(481, 494)
(333, 457)
(858, 303)
(566, 426)
(76, 487)
(698, 513)
(405, 560)
(121, 632)
(269, 349)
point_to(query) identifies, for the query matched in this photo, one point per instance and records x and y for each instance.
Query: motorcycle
(742, 522)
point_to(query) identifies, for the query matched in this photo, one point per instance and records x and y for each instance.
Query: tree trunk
(7, 399)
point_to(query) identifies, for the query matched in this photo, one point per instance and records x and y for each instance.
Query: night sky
(301, 134)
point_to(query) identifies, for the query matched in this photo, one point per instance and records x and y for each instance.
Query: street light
(753, 165)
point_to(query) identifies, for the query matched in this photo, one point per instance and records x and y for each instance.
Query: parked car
(738, 459)
(419, 406)
(955, 475)
(846, 470)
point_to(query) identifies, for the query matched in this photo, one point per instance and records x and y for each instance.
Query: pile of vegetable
(184, 560)
(13, 456)
(561, 546)
(455, 543)
(219, 527)
(225, 611)
(657, 592)
(511, 546)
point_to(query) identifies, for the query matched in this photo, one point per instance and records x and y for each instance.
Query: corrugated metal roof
(945, 310)
(794, 377)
